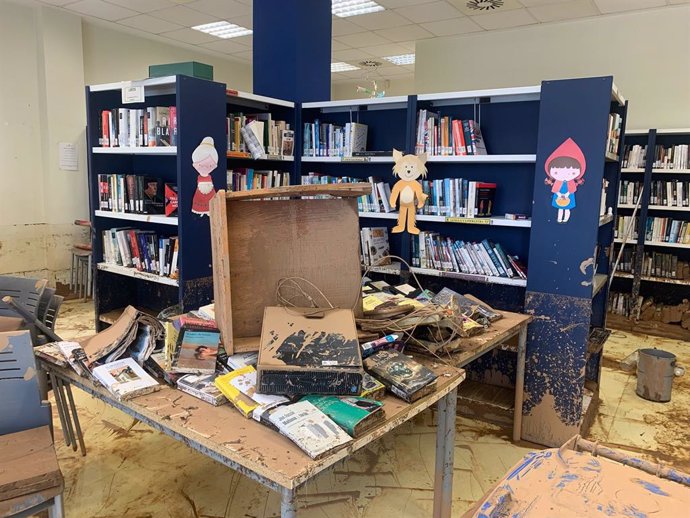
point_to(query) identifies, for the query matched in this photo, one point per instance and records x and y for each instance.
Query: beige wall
(647, 52)
(111, 55)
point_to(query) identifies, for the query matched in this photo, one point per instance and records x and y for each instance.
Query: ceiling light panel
(345, 8)
(223, 29)
(402, 59)
(340, 66)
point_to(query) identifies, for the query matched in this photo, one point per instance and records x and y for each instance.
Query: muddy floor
(133, 471)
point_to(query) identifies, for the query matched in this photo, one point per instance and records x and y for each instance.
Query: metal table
(264, 455)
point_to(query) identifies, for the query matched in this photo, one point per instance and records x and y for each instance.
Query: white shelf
(471, 277)
(519, 93)
(655, 243)
(239, 95)
(498, 221)
(485, 159)
(390, 269)
(655, 207)
(269, 158)
(161, 150)
(147, 218)
(617, 96)
(603, 220)
(152, 86)
(598, 283)
(655, 170)
(348, 103)
(349, 160)
(133, 272)
(632, 170)
(649, 278)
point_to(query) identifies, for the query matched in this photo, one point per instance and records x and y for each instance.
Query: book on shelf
(623, 303)
(629, 191)
(258, 134)
(239, 386)
(672, 193)
(613, 133)
(667, 230)
(247, 179)
(403, 376)
(201, 386)
(309, 428)
(375, 246)
(672, 157)
(634, 156)
(655, 264)
(196, 350)
(432, 251)
(129, 193)
(171, 199)
(323, 139)
(458, 198)
(626, 226)
(153, 126)
(353, 414)
(141, 249)
(365, 203)
(125, 379)
(439, 135)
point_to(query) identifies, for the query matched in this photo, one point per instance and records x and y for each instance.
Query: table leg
(445, 451)
(60, 407)
(66, 411)
(288, 503)
(519, 384)
(75, 415)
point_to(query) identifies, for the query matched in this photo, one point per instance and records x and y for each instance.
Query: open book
(125, 379)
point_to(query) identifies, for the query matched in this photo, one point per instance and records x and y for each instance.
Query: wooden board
(29, 463)
(258, 243)
(649, 327)
(340, 190)
(224, 435)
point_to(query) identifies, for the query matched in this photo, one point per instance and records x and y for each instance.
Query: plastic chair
(25, 433)
(81, 273)
(25, 291)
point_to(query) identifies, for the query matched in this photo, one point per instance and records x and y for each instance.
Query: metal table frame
(445, 442)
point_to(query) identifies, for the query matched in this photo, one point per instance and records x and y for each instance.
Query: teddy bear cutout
(408, 168)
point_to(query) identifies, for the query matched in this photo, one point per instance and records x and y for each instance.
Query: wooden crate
(257, 240)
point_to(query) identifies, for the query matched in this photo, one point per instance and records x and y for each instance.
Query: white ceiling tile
(342, 27)
(336, 45)
(244, 40)
(394, 4)
(409, 45)
(389, 71)
(389, 49)
(679, 2)
(143, 6)
(100, 9)
(362, 39)
(615, 6)
(242, 21)
(504, 20)
(225, 46)
(147, 23)
(380, 20)
(221, 8)
(57, 2)
(429, 12)
(405, 33)
(533, 3)
(351, 55)
(564, 11)
(184, 16)
(452, 27)
(190, 36)
(474, 7)
(246, 55)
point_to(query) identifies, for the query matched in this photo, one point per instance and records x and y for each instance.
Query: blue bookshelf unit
(199, 104)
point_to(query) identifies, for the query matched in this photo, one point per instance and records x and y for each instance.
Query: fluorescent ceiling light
(342, 67)
(223, 29)
(402, 59)
(345, 8)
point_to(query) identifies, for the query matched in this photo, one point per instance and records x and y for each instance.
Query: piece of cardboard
(304, 351)
(10, 324)
(257, 241)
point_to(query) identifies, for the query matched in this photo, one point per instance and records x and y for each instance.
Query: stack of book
(247, 179)
(634, 157)
(628, 192)
(330, 140)
(258, 135)
(136, 194)
(377, 201)
(674, 193)
(656, 264)
(444, 136)
(614, 133)
(623, 223)
(623, 303)
(375, 246)
(667, 230)
(458, 198)
(673, 157)
(431, 250)
(129, 127)
(144, 250)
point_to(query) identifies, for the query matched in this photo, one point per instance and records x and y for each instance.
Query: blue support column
(573, 125)
(292, 49)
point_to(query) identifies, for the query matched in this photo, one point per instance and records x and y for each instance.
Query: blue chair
(30, 479)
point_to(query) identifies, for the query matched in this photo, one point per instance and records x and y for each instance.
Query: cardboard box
(188, 68)
(257, 241)
(309, 351)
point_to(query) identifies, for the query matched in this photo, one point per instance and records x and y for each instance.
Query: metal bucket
(655, 374)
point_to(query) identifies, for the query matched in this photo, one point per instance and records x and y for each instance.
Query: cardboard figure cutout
(564, 171)
(204, 160)
(408, 168)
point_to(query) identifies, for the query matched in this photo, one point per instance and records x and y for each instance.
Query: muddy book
(201, 386)
(309, 428)
(196, 350)
(403, 376)
(309, 351)
(239, 386)
(354, 414)
(372, 388)
(125, 379)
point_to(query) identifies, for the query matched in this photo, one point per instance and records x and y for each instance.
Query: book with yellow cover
(239, 386)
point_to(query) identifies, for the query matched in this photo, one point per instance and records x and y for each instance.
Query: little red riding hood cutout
(204, 160)
(565, 169)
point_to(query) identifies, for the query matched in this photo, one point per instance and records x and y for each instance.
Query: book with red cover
(171, 199)
(485, 198)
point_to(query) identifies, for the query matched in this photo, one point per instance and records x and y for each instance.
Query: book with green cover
(353, 414)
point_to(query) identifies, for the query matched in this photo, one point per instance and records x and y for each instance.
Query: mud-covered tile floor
(133, 471)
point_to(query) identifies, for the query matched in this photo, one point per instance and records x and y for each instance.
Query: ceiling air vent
(484, 5)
